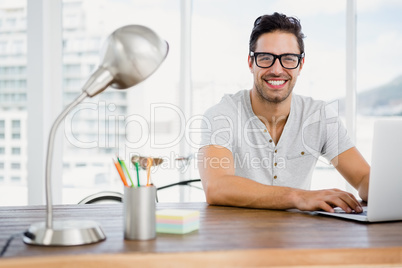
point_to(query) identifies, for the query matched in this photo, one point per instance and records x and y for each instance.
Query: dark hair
(276, 22)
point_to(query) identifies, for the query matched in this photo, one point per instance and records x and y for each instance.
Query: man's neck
(270, 113)
(273, 115)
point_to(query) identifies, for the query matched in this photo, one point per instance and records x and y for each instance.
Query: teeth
(276, 82)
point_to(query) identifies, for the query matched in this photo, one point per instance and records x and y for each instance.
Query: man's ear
(301, 64)
(250, 64)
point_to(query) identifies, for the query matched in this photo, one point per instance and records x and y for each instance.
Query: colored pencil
(149, 164)
(126, 170)
(121, 173)
(138, 174)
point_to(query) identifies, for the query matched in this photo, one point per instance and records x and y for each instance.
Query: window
(72, 83)
(21, 84)
(215, 25)
(15, 178)
(72, 69)
(18, 47)
(16, 124)
(2, 129)
(3, 47)
(11, 22)
(381, 39)
(13, 89)
(16, 151)
(15, 166)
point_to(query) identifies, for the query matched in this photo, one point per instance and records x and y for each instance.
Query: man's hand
(327, 200)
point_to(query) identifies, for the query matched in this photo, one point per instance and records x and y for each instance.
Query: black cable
(8, 242)
(196, 187)
(187, 182)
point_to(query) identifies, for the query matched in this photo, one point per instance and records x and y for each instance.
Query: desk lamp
(131, 54)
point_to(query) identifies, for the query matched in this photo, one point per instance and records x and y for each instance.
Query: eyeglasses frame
(279, 57)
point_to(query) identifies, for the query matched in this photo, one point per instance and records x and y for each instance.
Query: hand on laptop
(328, 199)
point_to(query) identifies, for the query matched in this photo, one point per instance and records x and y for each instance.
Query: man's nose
(277, 67)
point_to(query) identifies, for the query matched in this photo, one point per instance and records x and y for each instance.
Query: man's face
(275, 84)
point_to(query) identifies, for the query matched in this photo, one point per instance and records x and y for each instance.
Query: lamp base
(64, 233)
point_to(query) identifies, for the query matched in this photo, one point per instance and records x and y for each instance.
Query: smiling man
(259, 147)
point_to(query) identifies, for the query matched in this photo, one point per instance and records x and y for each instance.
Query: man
(260, 146)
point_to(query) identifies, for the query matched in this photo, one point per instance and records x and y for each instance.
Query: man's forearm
(363, 188)
(230, 190)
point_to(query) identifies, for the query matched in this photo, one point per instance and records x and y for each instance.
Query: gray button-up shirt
(312, 130)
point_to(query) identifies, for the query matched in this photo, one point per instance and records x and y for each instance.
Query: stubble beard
(262, 95)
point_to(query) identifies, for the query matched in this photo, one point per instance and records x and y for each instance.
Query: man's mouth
(276, 82)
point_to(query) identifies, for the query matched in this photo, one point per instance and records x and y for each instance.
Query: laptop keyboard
(341, 211)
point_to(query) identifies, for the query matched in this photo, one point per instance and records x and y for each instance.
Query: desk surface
(224, 231)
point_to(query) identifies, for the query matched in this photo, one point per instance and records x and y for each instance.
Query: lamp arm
(97, 83)
(59, 119)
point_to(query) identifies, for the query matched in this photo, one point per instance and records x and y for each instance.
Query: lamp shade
(130, 55)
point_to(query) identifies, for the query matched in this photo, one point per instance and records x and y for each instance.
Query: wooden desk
(227, 236)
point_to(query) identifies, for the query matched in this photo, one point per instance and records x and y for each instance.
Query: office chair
(103, 197)
(116, 197)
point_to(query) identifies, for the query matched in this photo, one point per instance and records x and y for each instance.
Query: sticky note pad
(177, 221)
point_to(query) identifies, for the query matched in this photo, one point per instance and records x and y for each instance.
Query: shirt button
(275, 177)
(276, 151)
(270, 140)
(275, 164)
(302, 153)
(265, 130)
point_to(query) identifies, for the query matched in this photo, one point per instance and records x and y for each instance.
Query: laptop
(385, 190)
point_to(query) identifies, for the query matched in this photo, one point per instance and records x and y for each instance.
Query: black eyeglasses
(266, 60)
